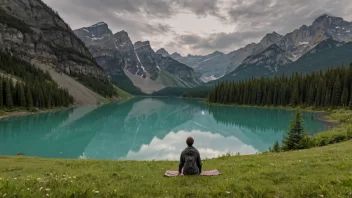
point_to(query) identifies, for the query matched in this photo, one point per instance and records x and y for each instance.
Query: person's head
(190, 141)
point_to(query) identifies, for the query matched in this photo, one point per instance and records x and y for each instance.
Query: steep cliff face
(238, 56)
(134, 66)
(163, 52)
(32, 31)
(269, 61)
(39, 34)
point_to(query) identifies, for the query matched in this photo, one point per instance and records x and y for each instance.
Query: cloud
(253, 19)
(283, 16)
(223, 25)
(217, 41)
(208, 144)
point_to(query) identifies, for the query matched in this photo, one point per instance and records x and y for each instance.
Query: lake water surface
(147, 129)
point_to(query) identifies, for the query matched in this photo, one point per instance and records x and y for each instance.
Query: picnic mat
(204, 173)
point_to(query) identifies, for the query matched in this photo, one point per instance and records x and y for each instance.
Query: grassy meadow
(318, 172)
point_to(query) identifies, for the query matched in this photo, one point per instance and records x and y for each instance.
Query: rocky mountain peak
(217, 53)
(323, 17)
(271, 59)
(140, 44)
(121, 34)
(328, 20)
(176, 56)
(96, 31)
(303, 27)
(99, 24)
(193, 56)
(271, 38)
(123, 39)
(162, 52)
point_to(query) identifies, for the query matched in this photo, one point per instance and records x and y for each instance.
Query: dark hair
(190, 141)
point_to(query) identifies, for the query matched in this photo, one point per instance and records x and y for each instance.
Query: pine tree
(310, 99)
(295, 135)
(13, 91)
(336, 94)
(328, 92)
(8, 96)
(295, 96)
(344, 97)
(21, 96)
(350, 103)
(29, 98)
(276, 147)
(1, 94)
(318, 96)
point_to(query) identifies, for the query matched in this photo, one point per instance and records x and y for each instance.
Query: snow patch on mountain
(141, 65)
(211, 58)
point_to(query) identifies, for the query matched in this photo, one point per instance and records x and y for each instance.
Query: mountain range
(275, 53)
(91, 58)
(134, 67)
(325, 43)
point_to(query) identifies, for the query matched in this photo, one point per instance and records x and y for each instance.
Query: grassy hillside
(124, 83)
(318, 172)
(122, 94)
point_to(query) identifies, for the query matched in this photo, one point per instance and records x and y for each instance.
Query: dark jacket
(190, 161)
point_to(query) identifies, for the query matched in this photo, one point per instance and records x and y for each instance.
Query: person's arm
(182, 163)
(199, 163)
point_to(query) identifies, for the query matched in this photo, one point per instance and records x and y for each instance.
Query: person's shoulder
(196, 149)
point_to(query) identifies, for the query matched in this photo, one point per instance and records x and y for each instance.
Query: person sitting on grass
(190, 162)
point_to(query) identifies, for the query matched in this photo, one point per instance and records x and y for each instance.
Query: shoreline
(328, 117)
(322, 115)
(22, 113)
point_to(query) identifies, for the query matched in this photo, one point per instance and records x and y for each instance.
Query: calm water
(146, 129)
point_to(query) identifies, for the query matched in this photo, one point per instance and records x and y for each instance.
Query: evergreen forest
(22, 85)
(329, 89)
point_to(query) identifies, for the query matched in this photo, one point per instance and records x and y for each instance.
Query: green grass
(339, 133)
(318, 172)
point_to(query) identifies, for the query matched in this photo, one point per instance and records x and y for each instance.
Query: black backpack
(190, 166)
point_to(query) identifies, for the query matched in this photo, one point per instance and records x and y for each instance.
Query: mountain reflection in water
(147, 129)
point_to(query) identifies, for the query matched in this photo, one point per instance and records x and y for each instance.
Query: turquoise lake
(148, 129)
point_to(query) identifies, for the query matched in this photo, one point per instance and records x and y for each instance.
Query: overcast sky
(198, 26)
